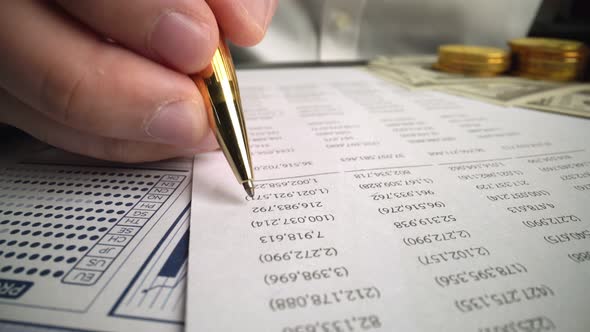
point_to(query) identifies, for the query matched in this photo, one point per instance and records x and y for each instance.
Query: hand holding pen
(108, 79)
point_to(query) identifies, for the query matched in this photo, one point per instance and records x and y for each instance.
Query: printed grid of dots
(80, 184)
(111, 203)
(42, 170)
(69, 182)
(31, 271)
(44, 258)
(71, 192)
(30, 229)
(63, 189)
(11, 253)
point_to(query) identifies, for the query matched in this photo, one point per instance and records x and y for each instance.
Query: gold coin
(579, 58)
(553, 61)
(553, 56)
(549, 65)
(483, 62)
(549, 59)
(548, 45)
(471, 53)
(469, 71)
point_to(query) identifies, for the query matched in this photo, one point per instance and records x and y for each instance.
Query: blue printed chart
(158, 289)
(85, 243)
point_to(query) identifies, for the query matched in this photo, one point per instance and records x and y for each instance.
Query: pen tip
(249, 187)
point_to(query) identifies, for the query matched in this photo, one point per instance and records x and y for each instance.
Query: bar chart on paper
(158, 288)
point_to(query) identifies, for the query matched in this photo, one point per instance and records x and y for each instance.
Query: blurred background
(343, 30)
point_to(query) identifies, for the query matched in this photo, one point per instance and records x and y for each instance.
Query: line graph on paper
(174, 270)
(157, 291)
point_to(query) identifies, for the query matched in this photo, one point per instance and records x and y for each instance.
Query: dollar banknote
(416, 72)
(572, 100)
(501, 90)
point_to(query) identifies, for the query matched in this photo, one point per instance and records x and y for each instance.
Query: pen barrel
(219, 87)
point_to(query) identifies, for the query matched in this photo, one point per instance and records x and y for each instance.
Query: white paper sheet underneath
(381, 209)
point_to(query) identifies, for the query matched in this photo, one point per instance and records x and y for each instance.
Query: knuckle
(60, 93)
(68, 94)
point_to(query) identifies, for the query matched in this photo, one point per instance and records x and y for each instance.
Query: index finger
(244, 22)
(182, 34)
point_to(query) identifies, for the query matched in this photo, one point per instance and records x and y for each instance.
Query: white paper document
(383, 209)
(93, 246)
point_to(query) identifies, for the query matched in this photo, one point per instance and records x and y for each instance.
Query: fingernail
(260, 11)
(176, 124)
(179, 40)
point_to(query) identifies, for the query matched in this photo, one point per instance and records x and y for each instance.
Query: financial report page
(379, 208)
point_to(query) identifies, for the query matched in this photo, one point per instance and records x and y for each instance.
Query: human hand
(108, 78)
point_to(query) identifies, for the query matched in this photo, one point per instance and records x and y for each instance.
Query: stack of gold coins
(549, 59)
(472, 60)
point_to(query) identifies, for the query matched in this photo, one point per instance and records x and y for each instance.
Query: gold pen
(219, 87)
